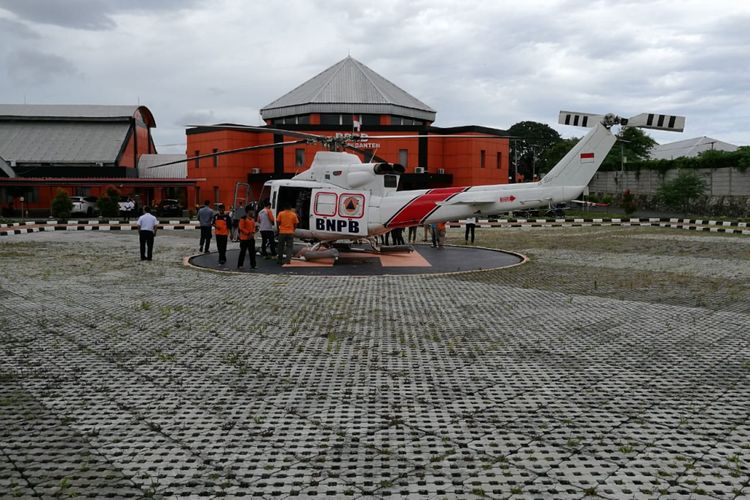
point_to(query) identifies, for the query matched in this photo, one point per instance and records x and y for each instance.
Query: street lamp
(622, 162)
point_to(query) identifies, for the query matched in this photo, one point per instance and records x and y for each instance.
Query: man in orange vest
(222, 223)
(287, 221)
(246, 230)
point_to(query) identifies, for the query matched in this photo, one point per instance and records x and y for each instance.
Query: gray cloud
(86, 14)
(28, 67)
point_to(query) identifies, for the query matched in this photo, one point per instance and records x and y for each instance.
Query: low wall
(727, 189)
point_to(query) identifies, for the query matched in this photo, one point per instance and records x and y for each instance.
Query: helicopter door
(297, 198)
(342, 213)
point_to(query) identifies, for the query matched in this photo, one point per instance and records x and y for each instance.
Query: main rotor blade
(232, 151)
(437, 136)
(280, 131)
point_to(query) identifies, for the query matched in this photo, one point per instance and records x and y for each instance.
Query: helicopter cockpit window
(390, 181)
(325, 204)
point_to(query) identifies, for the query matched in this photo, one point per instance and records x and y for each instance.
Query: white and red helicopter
(341, 199)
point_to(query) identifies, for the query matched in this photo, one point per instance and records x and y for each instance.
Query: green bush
(107, 205)
(628, 202)
(61, 205)
(680, 191)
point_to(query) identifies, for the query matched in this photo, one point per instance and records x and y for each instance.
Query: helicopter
(340, 199)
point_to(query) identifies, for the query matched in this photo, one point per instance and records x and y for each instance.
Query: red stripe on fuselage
(420, 207)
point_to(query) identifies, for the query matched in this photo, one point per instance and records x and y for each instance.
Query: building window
(292, 120)
(197, 161)
(198, 195)
(402, 120)
(216, 194)
(216, 158)
(403, 157)
(370, 120)
(330, 119)
(482, 155)
(499, 160)
(299, 157)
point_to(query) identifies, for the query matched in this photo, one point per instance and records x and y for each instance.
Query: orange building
(334, 102)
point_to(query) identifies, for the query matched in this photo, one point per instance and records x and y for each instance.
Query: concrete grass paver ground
(615, 364)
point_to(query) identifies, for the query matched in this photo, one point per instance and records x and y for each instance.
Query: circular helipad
(358, 262)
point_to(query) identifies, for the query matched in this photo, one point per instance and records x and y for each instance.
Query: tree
(61, 205)
(107, 205)
(555, 153)
(531, 143)
(680, 191)
(636, 146)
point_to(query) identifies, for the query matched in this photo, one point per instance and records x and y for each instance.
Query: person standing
(412, 234)
(246, 233)
(434, 233)
(205, 220)
(236, 214)
(147, 224)
(222, 223)
(266, 222)
(397, 234)
(471, 224)
(287, 221)
(440, 230)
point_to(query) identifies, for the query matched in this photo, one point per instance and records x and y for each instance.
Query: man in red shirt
(246, 230)
(287, 220)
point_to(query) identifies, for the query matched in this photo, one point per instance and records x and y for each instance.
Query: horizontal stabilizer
(658, 122)
(579, 119)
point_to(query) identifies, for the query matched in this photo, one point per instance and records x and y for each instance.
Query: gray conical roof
(348, 87)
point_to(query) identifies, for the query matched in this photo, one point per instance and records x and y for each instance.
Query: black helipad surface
(424, 260)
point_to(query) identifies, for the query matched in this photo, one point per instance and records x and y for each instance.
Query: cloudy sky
(490, 63)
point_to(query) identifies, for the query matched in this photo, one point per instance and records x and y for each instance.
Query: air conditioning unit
(419, 170)
(441, 170)
(254, 170)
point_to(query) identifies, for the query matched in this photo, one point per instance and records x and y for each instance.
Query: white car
(84, 205)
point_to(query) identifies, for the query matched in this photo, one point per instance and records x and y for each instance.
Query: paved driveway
(615, 364)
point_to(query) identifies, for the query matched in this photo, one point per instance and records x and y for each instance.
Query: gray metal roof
(73, 112)
(688, 148)
(62, 142)
(176, 171)
(348, 87)
(6, 169)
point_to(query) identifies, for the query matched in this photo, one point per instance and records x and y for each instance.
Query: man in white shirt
(147, 224)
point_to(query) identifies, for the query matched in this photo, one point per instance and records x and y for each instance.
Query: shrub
(61, 205)
(680, 191)
(628, 202)
(107, 205)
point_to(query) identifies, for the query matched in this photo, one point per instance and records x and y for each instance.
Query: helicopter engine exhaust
(388, 168)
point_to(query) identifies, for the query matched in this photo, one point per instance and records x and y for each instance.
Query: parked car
(169, 207)
(84, 205)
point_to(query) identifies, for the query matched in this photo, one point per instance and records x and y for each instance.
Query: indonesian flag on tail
(587, 157)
